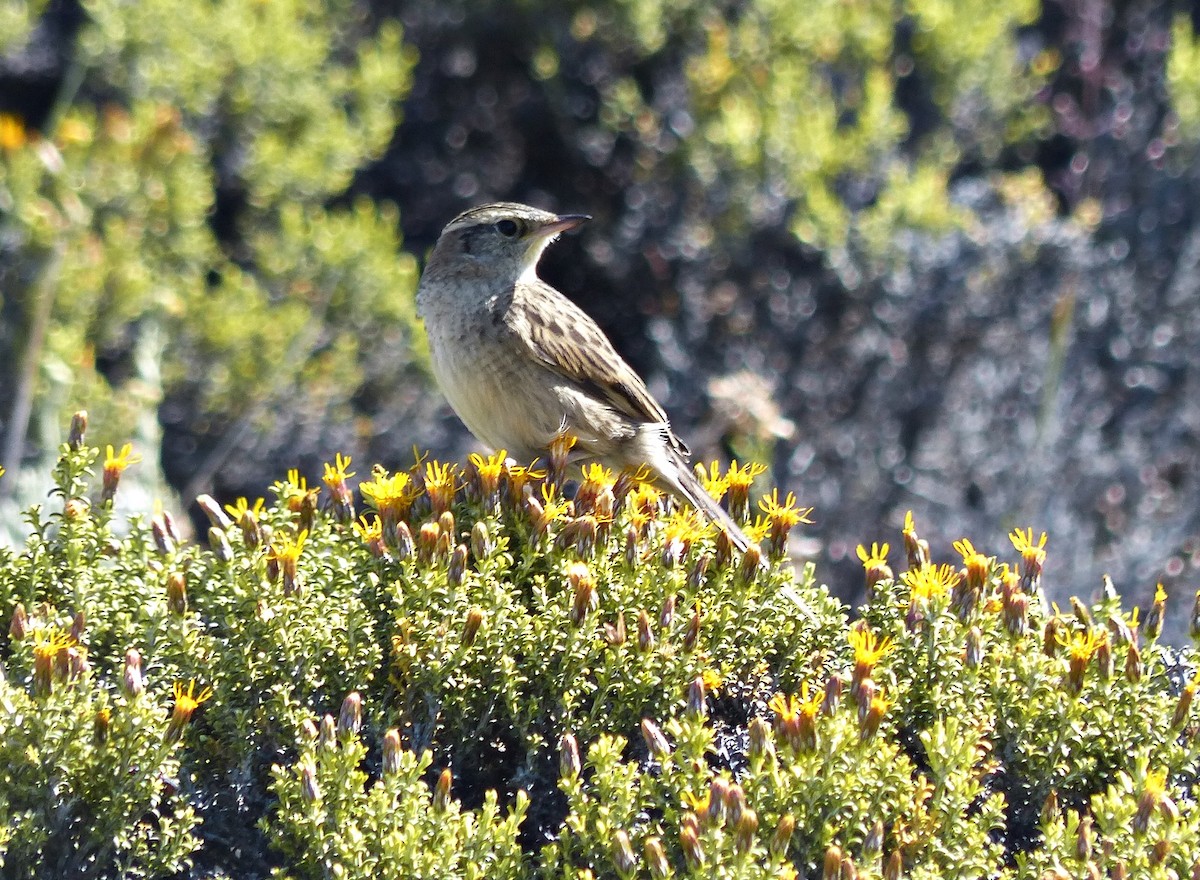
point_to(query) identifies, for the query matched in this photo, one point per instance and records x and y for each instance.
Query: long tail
(683, 482)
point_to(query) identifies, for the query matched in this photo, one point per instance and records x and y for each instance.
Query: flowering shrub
(503, 670)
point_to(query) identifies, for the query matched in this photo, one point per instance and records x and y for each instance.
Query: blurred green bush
(177, 225)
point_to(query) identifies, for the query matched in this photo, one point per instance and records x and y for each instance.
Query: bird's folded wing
(564, 338)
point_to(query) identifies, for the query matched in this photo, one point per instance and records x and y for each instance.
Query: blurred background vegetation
(914, 255)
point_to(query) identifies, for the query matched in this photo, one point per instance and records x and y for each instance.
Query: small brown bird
(520, 363)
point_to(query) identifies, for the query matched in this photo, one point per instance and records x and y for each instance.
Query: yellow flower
(390, 494)
(368, 530)
(1023, 541)
(976, 564)
(489, 470)
(115, 465)
(13, 133)
(294, 491)
(712, 679)
(441, 482)
(714, 484)
(284, 556)
(520, 475)
(743, 477)
(876, 557)
(336, 473)
(240, 507)
(643, 505)
(868, 650)
(930, 581)
(784, 515)
(186, 703)
(554, 505)
(122, 460)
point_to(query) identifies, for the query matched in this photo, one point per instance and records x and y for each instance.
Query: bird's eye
(508, 228)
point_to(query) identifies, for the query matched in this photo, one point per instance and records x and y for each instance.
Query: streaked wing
(564, 338)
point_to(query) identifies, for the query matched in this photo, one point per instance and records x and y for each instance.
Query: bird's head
(505, 240)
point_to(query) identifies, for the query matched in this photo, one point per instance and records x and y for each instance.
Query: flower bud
(78, 430)
(834, 686)
(218, 542)
(695, 698)
(350, 716)
(457, 568)
(751, 563)
(1184, 706)
(615, 634)
(832, 867)
(309, 789)
(401, 540)
(475, 616)
(1050, 643)
(893, 868)
(1050, 809)
(689, 842)
(177, 601)
(1162, 849)
(427, 541)
(761, 745)
(656, 858)
(252, 530)
(874, 717)
(656, 742)
(132, 682)
(481, 542)
(1133, 664)
(211, 509)
(18, 627)
(583, 585)
(441, 792)
(327, 735)
(974, 652)
(864, 696)
(718, 789)
(699, 569)
(745, 830)
(667, 614)
(1016, 614)
(1153, 625)
(782, 837)
(162, 541)
(75, 509)
(645, 632)
(724, 550)
(569, 763)
(100, 725)
(391, 752)
(308, 731)
(1083, 839)
(873, 842)
(622, 854)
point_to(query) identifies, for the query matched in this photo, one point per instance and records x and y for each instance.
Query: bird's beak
(562, 223)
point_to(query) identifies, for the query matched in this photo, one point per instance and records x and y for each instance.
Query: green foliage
(800, 101)
(1183, 75)
(85, 770)
(108, 221)
(732, 726)
(332, 820)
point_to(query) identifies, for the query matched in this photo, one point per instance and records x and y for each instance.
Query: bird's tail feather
(685, 484)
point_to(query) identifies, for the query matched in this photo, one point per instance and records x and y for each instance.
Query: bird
(521, 364)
